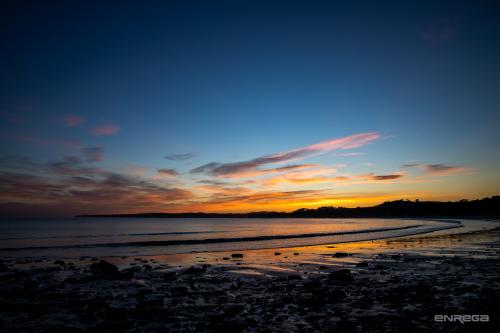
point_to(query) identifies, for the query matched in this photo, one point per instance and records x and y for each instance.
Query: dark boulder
(3, 267)
(294, 277)
(104, 267)
(362, 264)
(343, 275)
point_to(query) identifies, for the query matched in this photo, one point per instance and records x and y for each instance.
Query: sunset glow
(162, 110)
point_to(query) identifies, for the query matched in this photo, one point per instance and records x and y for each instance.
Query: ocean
(84, 237)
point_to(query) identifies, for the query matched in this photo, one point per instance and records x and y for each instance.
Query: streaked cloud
(439, 169)
(444, 169)
(410, 165)
(68, 186)
(304, 179)
(280, 200)
(179, 157)
(350, 154)
(105, 130)
(73, 120)
(252, 167)
(168, 172)
(384, 177)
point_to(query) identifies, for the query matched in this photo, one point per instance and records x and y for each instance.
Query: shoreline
(387, 285)
(253, 242)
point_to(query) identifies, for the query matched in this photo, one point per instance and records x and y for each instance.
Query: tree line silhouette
(486, 207)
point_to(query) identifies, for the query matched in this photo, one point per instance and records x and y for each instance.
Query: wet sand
(393, 285)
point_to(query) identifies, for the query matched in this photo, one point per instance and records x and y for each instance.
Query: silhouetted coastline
(480, 208)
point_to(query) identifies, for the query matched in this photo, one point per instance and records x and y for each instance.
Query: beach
(412, 283)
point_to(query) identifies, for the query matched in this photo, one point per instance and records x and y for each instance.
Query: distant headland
(480, 208)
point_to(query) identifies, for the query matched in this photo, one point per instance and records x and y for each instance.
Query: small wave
(121, 235)
(210, 240)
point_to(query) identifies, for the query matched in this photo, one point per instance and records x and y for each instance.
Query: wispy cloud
(286, 200)
(311, 178)
(351, 154)
(93, 154)
(179, 157)
(68, 186)
(444, 170)
(383, 177)
(105, 130)
(168, 172)
(410, 165)
(439, 169)
(73, 120)
(254, 172)
(253, 167)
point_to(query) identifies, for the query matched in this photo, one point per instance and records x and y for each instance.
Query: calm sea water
(76, 237)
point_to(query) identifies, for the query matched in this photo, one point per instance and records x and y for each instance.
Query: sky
(236, 106)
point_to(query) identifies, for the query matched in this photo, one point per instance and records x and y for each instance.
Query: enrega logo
(462, 319)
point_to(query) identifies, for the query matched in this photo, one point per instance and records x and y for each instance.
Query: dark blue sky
(232, 81)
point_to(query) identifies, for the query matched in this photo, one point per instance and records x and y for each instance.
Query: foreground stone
(209, 299)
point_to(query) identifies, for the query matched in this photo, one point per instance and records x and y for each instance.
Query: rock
(342, 275)
(129, 272)
(296, 254)
(3, 267)
(104, 267)
(179, 289)
(294, 277)
(335, 295)
(312, 284)
(30, 285)
(195, 270)
(225, 258)
(233, 308)
(380, 267)
(237, 255)
(59, 262)
(395, 257)
(96, 307)
(362, 264)
(277, 253)
(340, 255)
(306, 299)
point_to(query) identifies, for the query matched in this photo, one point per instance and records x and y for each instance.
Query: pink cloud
(444, 170)
(73, 120)
(350, 154)
(440, 169)
(105, 130)
(168, 172)
(251, 167)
